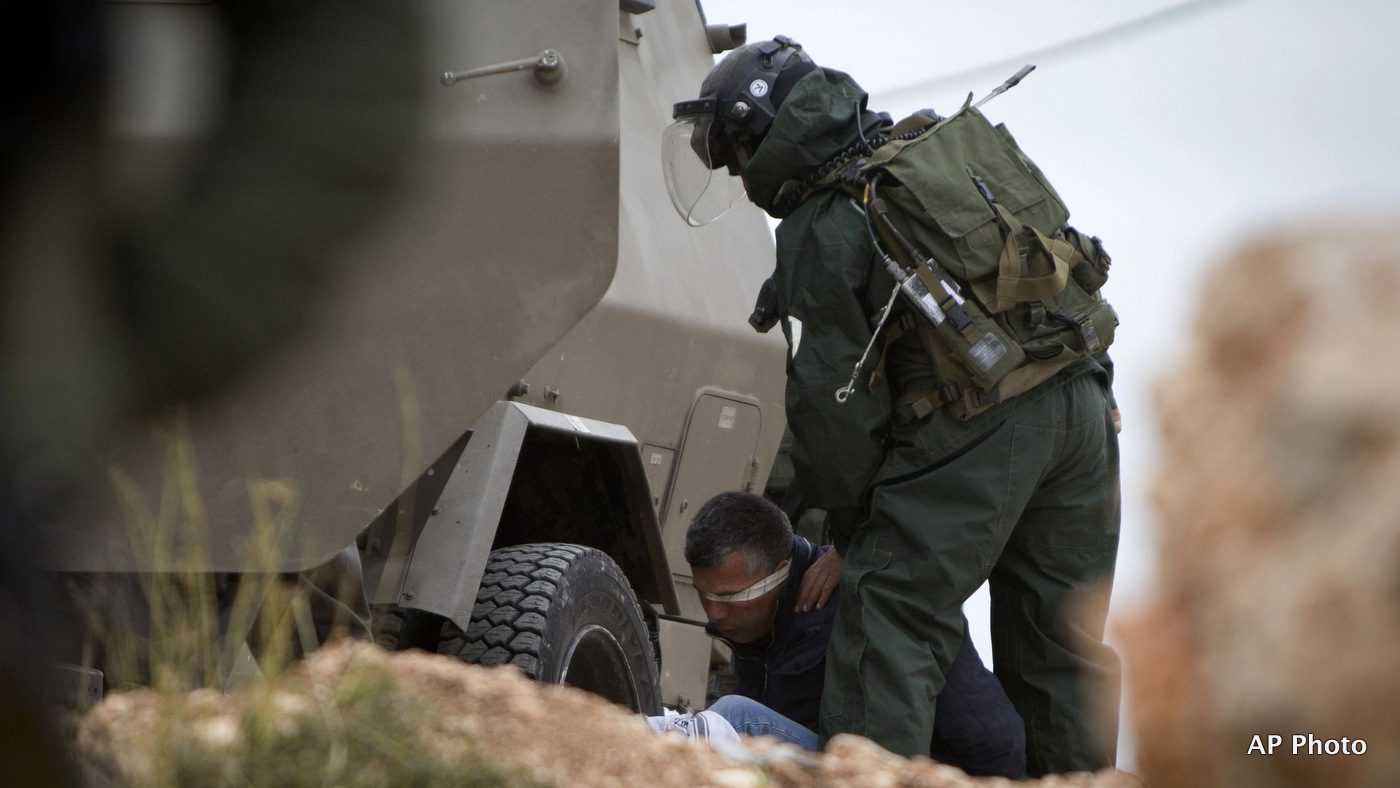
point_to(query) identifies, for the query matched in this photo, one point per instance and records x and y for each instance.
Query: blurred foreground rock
(354, 715)
(1279, 610)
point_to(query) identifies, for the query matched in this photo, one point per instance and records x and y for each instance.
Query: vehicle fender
(492, 499)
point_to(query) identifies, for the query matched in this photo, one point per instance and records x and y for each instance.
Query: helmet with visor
(737, 103)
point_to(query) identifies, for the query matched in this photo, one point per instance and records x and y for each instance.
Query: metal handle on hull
(547, 65)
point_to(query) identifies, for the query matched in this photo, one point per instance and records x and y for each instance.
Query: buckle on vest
(970, 398)
(922, 407)
(1087, 335)
(946, 394)
(980, 398)
(956, 313)
(1036, 316)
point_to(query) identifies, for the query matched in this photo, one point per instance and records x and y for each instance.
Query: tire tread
(511, 606)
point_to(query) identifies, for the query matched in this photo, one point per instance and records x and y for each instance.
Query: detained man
(772, 597)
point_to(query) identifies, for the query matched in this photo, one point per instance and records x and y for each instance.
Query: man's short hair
(739, 522)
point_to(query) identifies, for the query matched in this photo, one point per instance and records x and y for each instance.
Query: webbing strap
(972, 400)
(1011, 285)
(926, 402)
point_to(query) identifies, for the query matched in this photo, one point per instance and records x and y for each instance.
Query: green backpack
(956, 201)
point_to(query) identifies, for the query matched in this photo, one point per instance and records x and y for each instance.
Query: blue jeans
(751, 718)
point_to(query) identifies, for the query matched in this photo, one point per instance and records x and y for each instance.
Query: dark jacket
(785, 670)
(829, 284)
(976, 727)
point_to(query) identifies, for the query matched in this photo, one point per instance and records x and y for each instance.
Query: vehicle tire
(387, 626)
(563, 614)
(398, 628)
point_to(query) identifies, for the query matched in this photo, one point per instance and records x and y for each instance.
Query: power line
(1060, 51)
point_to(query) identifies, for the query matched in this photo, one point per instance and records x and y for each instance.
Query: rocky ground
(356, 715)
(1279, 496)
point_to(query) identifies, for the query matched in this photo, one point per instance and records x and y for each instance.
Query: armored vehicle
(527, 377)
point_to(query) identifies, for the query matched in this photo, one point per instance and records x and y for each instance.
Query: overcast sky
(1172, 141)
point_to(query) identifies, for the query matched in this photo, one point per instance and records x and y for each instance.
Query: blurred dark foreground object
(109, 310)
(1278, 614)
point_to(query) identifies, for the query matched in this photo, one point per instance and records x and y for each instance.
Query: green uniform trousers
(1028, 500)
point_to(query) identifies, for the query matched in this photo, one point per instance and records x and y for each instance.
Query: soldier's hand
(1117, 421)
(819, 581)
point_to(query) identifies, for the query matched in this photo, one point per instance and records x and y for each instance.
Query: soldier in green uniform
(924, 507)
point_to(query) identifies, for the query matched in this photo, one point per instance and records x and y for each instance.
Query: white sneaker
(706, 726)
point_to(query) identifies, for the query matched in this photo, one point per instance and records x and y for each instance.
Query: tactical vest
(1023, 284)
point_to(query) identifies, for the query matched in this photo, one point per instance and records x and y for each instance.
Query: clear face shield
(697, 180)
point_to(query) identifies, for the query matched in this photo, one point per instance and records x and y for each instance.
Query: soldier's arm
(823, 281)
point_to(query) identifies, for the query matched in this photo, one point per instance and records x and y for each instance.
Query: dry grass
(340, 720)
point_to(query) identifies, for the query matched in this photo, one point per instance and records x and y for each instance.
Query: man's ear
(781, 564)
